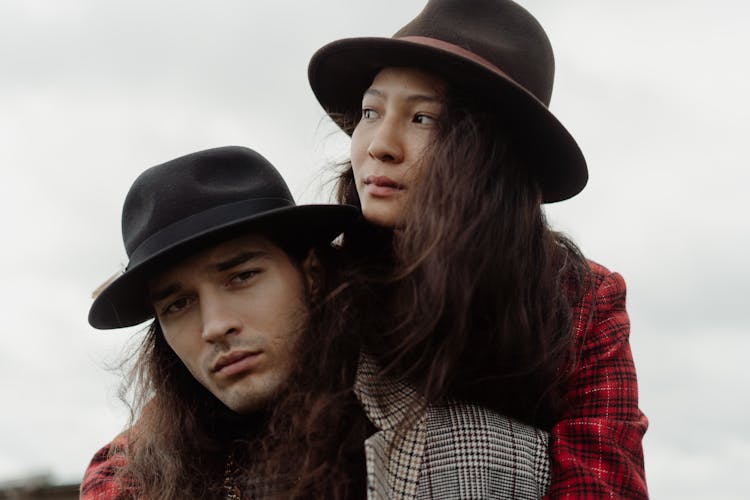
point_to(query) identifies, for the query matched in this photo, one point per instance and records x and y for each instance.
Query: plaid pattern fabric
(99, 480)
(596, 449)
(475, 453)
(453, 451)
(393, 457)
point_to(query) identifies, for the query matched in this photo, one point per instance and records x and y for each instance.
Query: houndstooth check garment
(457, 450)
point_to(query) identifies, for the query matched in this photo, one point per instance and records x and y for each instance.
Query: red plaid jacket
(595, 450)
(99, 479)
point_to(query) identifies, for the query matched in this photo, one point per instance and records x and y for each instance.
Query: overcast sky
(92, 93)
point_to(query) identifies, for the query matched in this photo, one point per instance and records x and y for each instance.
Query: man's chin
(248, 403)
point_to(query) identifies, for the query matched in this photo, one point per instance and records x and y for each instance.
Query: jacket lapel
(394, 453)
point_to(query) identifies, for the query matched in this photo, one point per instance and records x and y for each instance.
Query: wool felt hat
(492, 50)
(180, 207)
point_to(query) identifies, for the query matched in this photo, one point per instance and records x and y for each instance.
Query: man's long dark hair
(308, 444)
(480, 289)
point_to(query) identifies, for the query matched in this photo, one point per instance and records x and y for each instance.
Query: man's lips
(380, 185)
(236, 362)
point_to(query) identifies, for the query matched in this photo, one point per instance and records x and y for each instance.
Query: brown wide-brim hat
(493, 50)
(188, 204)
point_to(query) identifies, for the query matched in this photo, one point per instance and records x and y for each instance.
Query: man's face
(233, 315)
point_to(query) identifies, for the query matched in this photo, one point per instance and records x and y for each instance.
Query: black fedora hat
(493, 49)
(174, 209)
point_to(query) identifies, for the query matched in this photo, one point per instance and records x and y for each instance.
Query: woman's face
(399, 119)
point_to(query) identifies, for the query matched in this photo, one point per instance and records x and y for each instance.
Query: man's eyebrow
(224, 265)
(238, 259)
(165, 292)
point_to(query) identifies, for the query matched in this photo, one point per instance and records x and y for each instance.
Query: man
(221, 257)
(239, 390)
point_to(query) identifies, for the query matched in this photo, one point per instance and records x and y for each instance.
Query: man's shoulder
(100, 480)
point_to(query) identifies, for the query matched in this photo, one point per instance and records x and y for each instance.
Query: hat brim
(124, 301)
(341, 71)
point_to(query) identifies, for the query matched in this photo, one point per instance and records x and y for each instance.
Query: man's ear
(313, 275)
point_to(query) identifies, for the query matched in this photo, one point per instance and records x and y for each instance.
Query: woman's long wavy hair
(308, 444)
(480, 291)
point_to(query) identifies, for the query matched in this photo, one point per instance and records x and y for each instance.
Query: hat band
(460, 51)
(202, 223)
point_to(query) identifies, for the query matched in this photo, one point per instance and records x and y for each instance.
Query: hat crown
(500, 31)
(188, 204)
(493, 52)
(181, 188)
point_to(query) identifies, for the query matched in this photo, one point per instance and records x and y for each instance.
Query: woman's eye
(424, 119)
(369, 113)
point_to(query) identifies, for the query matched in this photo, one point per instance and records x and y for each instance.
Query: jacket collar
(394, 453)
(387, 402)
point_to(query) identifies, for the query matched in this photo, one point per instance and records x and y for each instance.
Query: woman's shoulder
(599, 314)
(604, 286)
(600, 274)
(590, 285)
(598, 285)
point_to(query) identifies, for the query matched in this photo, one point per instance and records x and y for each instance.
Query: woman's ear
(313, 275)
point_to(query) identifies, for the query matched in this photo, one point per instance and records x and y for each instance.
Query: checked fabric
(455, 450)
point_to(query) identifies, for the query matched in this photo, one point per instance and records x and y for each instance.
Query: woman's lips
(235, 363)
(382, 186)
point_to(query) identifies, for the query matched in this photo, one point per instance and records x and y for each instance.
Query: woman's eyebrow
(410, 98)
(373, 92)
(424, 98)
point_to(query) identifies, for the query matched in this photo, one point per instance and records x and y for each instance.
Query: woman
(453, 153)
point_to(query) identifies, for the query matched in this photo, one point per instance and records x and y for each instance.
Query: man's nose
(387, 143)
(219, 319)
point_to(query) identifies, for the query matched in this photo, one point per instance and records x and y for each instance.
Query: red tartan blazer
(595, 450)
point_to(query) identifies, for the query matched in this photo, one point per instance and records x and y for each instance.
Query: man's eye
(369, 113)
(177, 306)
(244, 276)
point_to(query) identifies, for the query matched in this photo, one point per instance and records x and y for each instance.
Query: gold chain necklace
(231, 490)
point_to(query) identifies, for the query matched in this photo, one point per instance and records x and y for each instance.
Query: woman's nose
(387, 143)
